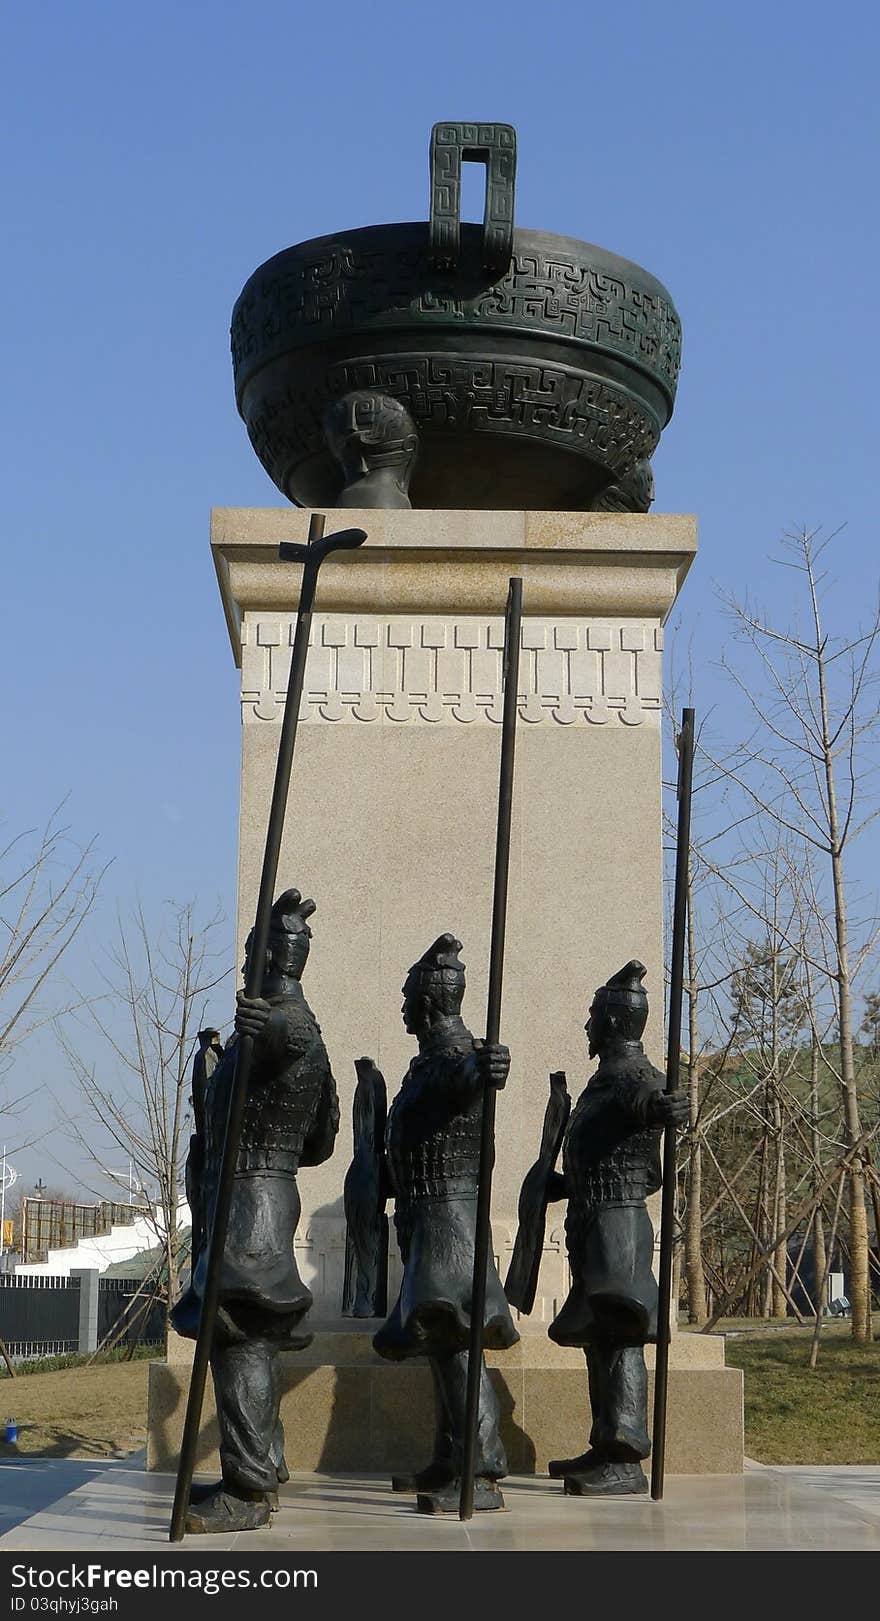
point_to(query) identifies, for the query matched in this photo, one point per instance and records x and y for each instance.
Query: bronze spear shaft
(513, 620)
(673, 1061)
(311, 556)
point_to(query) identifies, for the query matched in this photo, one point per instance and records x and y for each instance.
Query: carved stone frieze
(442, 671)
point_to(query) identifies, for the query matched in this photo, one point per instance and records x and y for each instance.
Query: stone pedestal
(346, 1409)
(391, 820)
(391, 828)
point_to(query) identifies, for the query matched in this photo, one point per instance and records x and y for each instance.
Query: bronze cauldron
(538, 370)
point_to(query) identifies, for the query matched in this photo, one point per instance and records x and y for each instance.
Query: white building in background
(121, 1243)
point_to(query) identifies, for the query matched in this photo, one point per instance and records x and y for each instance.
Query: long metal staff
(673, 1061)
(311, 556)
(512, 621)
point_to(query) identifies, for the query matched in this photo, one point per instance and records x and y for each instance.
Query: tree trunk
(780, 1211)
(860, 1282)
(822, 1283)
(693, 1236)
(766, 1229)
(693, 1231)
(774, 1113)
(171, 1245)
(676, 1283)
(820, 1267)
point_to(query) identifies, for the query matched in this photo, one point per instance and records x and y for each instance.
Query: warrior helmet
(624, 997)
(289, 933)
(440, 974)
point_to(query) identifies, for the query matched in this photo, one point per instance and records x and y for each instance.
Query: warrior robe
(291, 1119)
(610, 1163)
(433, 1151)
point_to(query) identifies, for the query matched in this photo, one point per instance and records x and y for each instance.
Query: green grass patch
(797, 1415)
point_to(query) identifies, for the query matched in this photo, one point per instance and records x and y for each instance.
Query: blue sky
(154, 157)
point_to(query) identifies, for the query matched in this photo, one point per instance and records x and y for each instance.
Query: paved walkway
(55, 1504)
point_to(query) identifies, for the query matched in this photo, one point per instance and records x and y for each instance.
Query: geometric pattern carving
(445, 671)
(494, 145)
(332, 287)
(554, 404)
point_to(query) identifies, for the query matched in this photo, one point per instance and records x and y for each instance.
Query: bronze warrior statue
(291, 1119)
(610, 1164)
(432, 1155)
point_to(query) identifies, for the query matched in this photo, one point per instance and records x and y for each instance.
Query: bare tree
(769, 1011)
(706, 970)
(813, 702)
(701, 1071)
(693, 1215)
(763, 1011)
(871, 1023)
(824, 1118)
(732, 1065)
(136, 1093)
(689, 1191)
(48, 886)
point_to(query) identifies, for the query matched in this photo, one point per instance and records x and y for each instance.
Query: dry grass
(795, 1415)
(97, 1412)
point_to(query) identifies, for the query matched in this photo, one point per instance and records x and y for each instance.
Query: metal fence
(41, 1316)
(145, 1322)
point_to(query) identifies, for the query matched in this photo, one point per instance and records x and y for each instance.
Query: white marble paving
(67, 1504)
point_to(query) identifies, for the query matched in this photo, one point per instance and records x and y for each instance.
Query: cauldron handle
(495, 146)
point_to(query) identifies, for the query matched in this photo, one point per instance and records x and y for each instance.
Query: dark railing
(145, 1316)
(40, 1316)
(38, 1312)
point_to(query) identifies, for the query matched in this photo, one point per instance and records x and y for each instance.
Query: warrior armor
(291, 1084)
(433, 1147)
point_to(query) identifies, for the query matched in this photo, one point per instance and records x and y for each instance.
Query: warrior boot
(441, 1471)
(226, 1510)
(434, 1477)
(199, 1494)
(608, 1480)
(282, 1473)
(487, 1495)
(557, 1468)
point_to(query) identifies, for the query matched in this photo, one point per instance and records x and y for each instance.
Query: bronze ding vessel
(538, 370)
